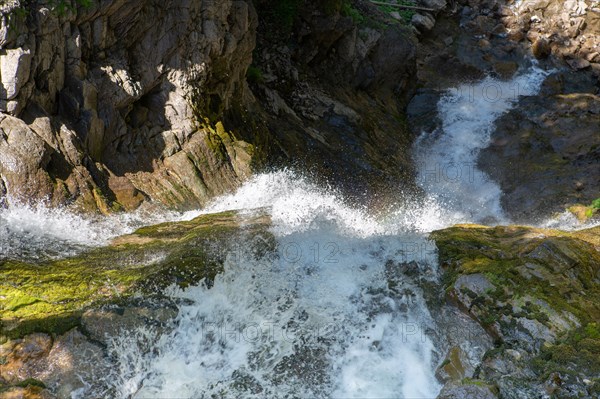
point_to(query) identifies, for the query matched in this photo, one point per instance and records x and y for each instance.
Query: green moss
(576, 352)
(50, 296)
(556, 268)
(31, 382)
(255, 75)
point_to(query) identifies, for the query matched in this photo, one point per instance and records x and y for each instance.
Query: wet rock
(51, 296)
(541, 48)
(550, 143)
(453, 367)
(539, 302)
(578, 64)
(24, 358)
(468, 389)
(105, 323)
(506, 69)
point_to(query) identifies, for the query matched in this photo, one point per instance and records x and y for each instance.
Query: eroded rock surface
(537, 293)
(104, 105)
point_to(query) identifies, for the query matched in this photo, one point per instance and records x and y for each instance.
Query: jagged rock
(14, 68)
(540, 301)
(471, 389)
(423, 22)
(113, 79)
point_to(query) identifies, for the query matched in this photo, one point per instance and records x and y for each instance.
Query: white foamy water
(447, 158)
(40, 232)
(335, 311)
(336, 308)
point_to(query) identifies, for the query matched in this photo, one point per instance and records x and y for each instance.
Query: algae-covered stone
(537, 292)
(51, 296)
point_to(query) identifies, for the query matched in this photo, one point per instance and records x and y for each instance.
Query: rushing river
(338, 310)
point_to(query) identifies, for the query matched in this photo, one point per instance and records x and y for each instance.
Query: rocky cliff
(107, 105)
(102, 104)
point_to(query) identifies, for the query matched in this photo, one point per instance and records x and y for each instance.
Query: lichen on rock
(51, 296)
(536, 291)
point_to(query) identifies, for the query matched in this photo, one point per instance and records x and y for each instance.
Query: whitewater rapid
(337, 309)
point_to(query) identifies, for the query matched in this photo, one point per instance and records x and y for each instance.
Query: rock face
(123, 103)
(537, 293)
(335, 90)
(105, 104)
(545, 152)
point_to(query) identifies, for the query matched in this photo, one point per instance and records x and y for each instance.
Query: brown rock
(125, 192)
(506, 69)
(540, 48)
(578, 64)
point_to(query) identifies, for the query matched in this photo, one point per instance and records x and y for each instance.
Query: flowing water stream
(338, 309)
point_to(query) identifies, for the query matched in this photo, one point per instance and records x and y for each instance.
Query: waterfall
(336, 309)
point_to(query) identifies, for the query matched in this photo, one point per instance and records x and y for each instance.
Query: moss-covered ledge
(51, 296)
(537, 292)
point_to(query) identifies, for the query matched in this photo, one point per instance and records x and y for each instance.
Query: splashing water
(447, 158)
(337, 308)
(40, 232)
(333, 312)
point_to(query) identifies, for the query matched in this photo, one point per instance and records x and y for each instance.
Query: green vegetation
(406, 14)
(348, 10)
(577, 351)
(255, 75)
(51, 296)
(583, 212)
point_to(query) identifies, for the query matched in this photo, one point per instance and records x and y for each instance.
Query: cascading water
(447, 158)
(337, 307)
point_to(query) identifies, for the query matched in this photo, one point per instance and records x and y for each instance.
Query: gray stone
(423, 22)
(14, 67)
(468, 390)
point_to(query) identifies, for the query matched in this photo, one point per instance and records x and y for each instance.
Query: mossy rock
(51, 296)
(537, 291)
(555, 267)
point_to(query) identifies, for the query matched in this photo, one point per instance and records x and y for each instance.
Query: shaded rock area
(537, 294)
(545, 153)
(334, 81)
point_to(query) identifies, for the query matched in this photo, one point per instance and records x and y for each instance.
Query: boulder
(424, 22)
